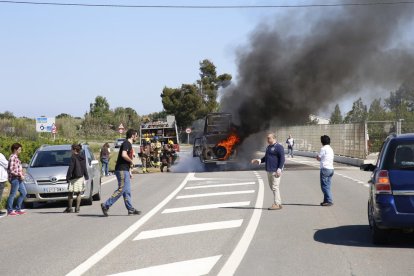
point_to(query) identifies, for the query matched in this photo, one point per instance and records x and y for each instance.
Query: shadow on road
(244, 208)
(302, 204)
(360, 236)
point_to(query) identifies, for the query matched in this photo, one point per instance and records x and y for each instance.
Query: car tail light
(383, 185)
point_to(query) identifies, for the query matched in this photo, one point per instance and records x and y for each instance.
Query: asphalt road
(214, 223)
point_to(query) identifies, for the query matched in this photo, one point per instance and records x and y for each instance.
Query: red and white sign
(54, 129)
(188, 130)
(121, 128)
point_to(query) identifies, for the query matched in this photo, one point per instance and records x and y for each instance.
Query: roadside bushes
(29, 146)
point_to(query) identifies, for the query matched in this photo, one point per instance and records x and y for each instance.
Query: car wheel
(379, 236)
(97, 196)
(89, 200)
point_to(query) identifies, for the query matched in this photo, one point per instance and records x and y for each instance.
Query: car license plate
(221, 162)
(54, 190)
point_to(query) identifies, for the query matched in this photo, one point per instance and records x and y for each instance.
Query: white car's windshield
(52, 158)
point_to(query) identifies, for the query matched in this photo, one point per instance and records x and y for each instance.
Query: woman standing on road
(16, 178)
(76, 176)
(105, 152)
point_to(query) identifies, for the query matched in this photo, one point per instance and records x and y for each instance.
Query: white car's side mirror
(94, 162)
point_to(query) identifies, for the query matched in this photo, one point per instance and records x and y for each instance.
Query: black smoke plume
(300, 64)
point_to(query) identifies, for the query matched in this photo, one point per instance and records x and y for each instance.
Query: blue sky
(57, 59)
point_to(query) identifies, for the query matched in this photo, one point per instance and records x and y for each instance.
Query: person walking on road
(122, 172)
(326, 158)
(4, 164)
(76, 176)
(105, 155)
(16, 177)
(275, 161)
(290, 143)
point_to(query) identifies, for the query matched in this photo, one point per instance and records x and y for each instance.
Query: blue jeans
(326, 180)
(16, 185)
(105, 166)
(290, 151)
(124, 189)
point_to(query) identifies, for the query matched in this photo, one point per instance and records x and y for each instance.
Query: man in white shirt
(326, 158)
(291, 143)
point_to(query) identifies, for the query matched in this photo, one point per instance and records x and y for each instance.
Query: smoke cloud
(301, 64)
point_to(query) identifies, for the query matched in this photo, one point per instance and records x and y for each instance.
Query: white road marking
(187, 229)
(237, 256)
(206, 207)
(107, 181)
(95, 258)
(219, 185)
(187, 268)
(216, 194)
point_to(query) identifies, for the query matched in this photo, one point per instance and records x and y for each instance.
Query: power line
(385, 3)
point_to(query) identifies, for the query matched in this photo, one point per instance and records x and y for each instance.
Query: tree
(358, 113)
(100, 108)
(63, 115)
(7, 115)
(194, 101)
(401, 102)
(336, 116)
(209, 84)
(185, 103)
(127, 116)
(377, 111)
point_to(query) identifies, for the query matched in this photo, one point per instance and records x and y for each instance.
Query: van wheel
(379, 236)
(97, 196)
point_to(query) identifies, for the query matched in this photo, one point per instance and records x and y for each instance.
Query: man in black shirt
(122, 172)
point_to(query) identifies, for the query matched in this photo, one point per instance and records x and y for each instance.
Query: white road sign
(44, 124)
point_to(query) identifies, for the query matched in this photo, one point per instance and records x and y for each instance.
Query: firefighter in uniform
(167, 157)
(157, 148)
(145, 155)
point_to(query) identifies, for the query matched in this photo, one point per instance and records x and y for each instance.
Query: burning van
(218, 145)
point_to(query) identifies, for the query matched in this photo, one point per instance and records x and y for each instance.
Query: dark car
(391, 197)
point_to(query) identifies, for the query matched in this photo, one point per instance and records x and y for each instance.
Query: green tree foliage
(377, 111)
(185, 103)
(358, 113)
(127, 116)
(401, 103)
(336, 116)
(7, 115)
(63, 115)
(202, 95)
(100, 108)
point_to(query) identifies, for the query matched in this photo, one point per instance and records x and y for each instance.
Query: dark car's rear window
(400, 155)
(52, 158)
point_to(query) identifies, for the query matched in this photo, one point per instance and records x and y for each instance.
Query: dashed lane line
(216, 194)
(187, 268)
(206, 207)
(187, 229)
(95, 258)
(219, 185)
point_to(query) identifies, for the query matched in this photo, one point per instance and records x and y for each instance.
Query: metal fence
(350, 140)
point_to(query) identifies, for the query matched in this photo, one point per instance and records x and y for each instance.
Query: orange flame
(229, 145)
